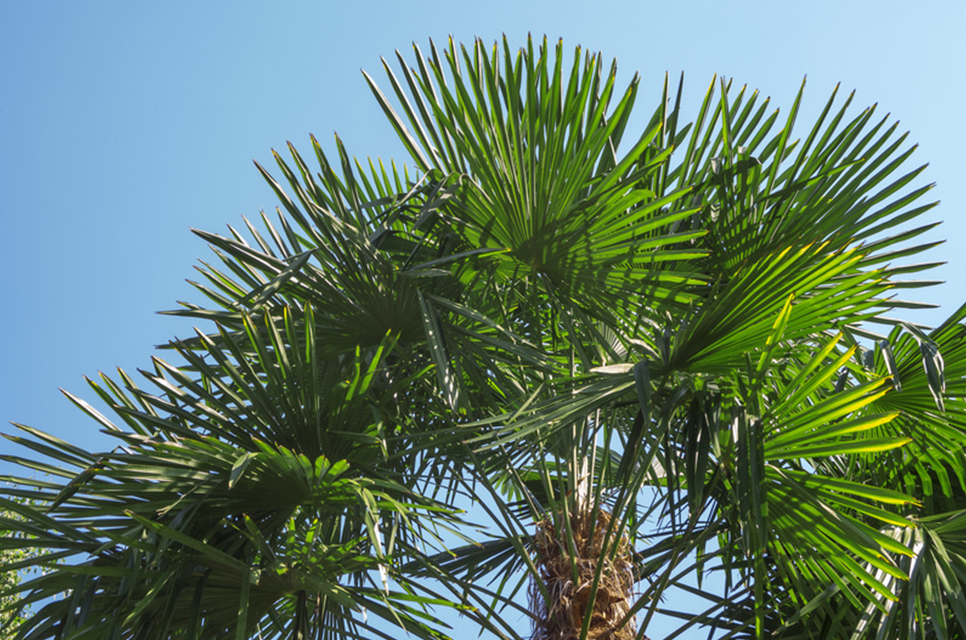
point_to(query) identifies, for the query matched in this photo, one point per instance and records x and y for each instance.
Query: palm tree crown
(644, 357)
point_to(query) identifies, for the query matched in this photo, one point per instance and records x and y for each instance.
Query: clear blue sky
(124, 124)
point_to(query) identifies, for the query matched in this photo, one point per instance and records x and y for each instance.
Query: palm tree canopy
(656, 359)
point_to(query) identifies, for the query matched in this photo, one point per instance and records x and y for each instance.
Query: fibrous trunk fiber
(563, 617)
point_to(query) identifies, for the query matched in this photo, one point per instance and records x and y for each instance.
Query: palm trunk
(569, 579)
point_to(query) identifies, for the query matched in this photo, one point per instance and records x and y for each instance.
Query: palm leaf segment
(659, 313)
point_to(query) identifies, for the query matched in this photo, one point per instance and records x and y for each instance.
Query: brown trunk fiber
(563, 617)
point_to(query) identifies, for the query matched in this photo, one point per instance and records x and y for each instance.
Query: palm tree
(642, 360)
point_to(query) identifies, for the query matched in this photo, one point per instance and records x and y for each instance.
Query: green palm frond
(269, 473)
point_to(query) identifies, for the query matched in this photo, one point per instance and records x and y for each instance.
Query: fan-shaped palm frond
(272, 479)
